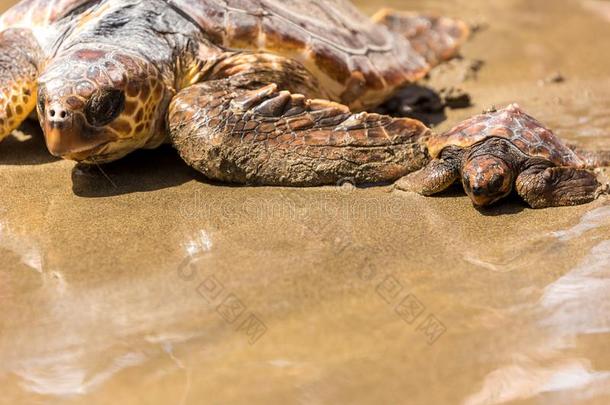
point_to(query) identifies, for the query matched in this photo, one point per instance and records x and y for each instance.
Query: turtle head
(486, 179)
(98, 105)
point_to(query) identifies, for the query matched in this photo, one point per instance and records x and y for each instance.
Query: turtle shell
(37, 13)
(521, 129)
(359, 62)
(333, 34)
(332, 38)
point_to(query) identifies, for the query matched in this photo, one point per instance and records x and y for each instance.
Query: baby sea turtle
(502, 149)
(261, 92)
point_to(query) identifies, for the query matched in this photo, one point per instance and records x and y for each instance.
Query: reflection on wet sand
(599, 8)
(599, 217)
(62, 376)
(146, 284)
(25, 250)
(571, 308)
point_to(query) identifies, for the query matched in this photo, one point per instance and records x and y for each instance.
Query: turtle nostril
(477, 190)
(58, 115)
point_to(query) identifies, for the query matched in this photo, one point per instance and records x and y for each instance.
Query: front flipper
(19, 57)
(435, 177)
(264, 136)
(544, 187)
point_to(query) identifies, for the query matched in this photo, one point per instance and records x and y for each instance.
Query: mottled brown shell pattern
(357, 61)
(511, 123)
(37, 13)
(344, 48)
(434, 37)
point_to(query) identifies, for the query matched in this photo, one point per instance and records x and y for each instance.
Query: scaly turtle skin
(264, 92)
(494, 151)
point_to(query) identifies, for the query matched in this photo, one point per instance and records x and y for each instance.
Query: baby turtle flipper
(436, 176)
(264, 136)
(435, 38)
(19, 56)
(558, 186)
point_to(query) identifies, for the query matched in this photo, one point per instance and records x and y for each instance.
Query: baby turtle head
(486, 179)
(97, 105)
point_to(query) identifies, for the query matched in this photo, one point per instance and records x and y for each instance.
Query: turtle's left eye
(496, 183)
(41, 101)
(104, 106)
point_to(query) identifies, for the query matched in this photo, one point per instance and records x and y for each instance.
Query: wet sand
(153, 286)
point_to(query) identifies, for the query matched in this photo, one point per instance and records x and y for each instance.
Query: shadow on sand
(418, 102)
(513, 204)
(143, 170)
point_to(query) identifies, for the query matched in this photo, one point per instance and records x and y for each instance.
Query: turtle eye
(41, 102)
(104, 106)
(496, 182)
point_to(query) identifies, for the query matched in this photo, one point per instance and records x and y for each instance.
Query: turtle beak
(479, 192)
(68, 138)
(479, 198)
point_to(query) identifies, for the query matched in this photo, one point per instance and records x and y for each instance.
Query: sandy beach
(151, 285)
